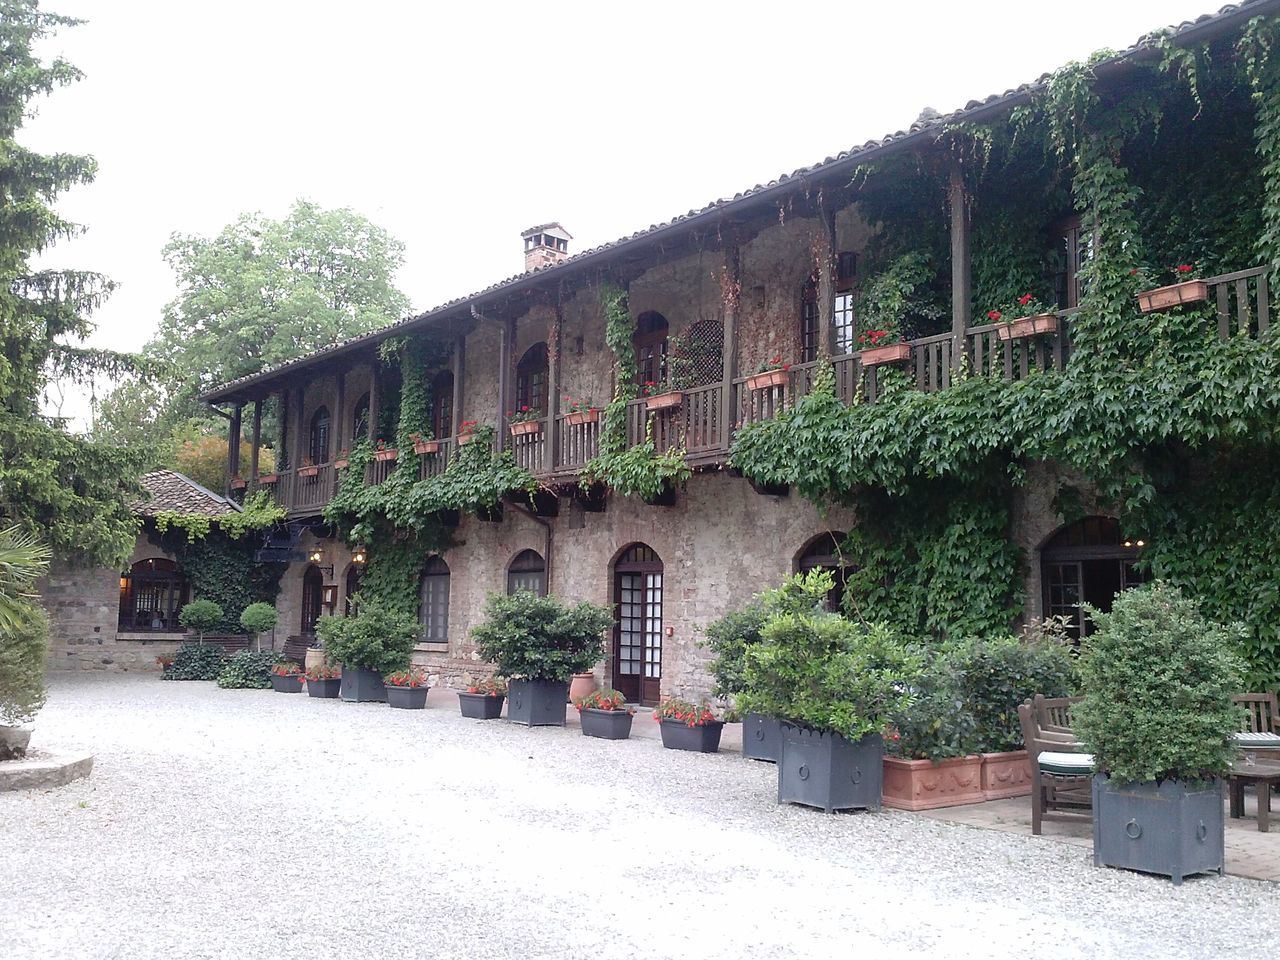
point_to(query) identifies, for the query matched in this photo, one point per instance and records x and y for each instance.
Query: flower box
(325, 689)
(1174, 828)
(267, 479)
(700, 738)
(928, 784)
(582, 417)
(480, 706)
(1006, 775)
(389, 453)
(891, 353)
(286, 683)
(606, 724)
(761, 737)
(1028, 326)
(308, 471)
(363, 686)
(664, 401)
(465, 438)
(537, 703)
(817, 768)
(1176, 294)
(424, 447)
(341, 464)
(238, 483)
(766, 380)
(407, 698)
(525, 427)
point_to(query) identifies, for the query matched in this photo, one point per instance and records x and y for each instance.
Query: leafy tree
(258, 618)
(24, 626)
(204, 460)
(200, 615)
(74, 493)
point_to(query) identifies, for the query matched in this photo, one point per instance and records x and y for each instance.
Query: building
(772, 277)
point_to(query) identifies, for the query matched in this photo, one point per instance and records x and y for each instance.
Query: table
(1263, 775)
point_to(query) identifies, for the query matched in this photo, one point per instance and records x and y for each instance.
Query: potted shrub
(835, 685)
(406, 689)
(688, 726)
(1033, 318)
(323, 681)
(882, 346)
(423, 446)
(524, 421)
(579, 412)
(248, 670)
(257, 619)
(201, 615)
(286, 677)
(728, 638)
(372, 643)
(1157, 717)
(537, 644)
(770, 374)
(482, 700)
(1186, 289)
(383, 452)
(605, 714)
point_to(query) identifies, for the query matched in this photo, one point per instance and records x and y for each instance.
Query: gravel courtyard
(244, 824)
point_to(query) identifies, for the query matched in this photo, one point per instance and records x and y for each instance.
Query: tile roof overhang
(1187, 33)
(173, 492)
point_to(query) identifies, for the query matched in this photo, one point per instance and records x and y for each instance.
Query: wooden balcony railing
(1241, 302)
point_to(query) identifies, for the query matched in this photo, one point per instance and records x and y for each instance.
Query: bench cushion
(1066, 764)
(1257, 739)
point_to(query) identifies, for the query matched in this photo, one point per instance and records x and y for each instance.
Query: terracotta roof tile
(173, 492)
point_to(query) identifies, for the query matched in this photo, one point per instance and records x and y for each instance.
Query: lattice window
(703, 346)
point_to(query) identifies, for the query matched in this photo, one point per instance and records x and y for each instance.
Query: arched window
(531, 379)
(637, 632)
(650, 341)
(312, 599)
(433, 610)
(353, 587)
(1088, 561)
(442, 405)
(318, 440)
(360, 420)
(528, 571)
(152, 592)
(823, 553)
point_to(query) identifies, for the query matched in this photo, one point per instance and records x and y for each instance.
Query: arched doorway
(1088, 561)
(312, 599)
(318, 439)
(637, 631)
(152, 592)
(823, 553)
(650, 342)
(442, 405)
(351, 605)
(531, 379)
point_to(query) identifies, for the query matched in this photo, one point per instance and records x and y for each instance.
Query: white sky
(455, 126)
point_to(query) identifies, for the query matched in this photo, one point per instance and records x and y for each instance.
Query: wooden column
(233, 444)
(961, 308)
(552, 451)
(300, 429)
(729, 360)
(459, 372)
(340, 424)
(827, 285)
(506, 337)
(257, 439)
(375, 401)
(282, 436)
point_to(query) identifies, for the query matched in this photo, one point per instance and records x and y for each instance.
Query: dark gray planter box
(1175, 828)
(761, 737)
(820, 769)
(479, 706)
(328, 689)
(537, 703)
(704, 738)
(605, 724)
(281, 684)
(363, 686)
(407, 698)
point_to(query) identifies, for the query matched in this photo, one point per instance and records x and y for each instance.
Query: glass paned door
(637, 661)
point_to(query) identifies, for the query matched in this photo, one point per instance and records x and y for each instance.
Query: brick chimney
(545, 245)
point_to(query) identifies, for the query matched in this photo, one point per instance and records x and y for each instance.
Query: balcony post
(340, 423)
(550, 453)
(233, 445)
(506, 334)
(459, 372)
(961, 308)
(375, 402)
(730, 295)
(257, 441)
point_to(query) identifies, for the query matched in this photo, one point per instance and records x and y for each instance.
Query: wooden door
(637, 643)
(312, 597)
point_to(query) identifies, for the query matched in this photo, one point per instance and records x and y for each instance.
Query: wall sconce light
(316, 555)
(359, 556)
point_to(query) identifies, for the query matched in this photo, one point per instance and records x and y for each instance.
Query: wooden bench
(1262, 724)
(295, 648)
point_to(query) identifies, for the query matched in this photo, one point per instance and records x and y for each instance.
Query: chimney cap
(552, 229)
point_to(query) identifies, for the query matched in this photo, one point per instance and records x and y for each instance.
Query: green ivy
(222, 568)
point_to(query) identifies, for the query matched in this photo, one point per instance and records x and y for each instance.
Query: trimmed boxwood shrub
(200, 615)
(374, 639)
(1158, 678)
(728, 638)
(258, 618)
(195, 661)
(248, 670)
(540, 638)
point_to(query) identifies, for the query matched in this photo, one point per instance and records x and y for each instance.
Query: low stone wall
(445, 671)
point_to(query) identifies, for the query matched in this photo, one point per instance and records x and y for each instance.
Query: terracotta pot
(581, 685)
(1006, 775)
(385, 455)
(308, 471)
(313, 658)
(582, 416)
(525, 427)
(341, 464)
(893, 353)
(268, 478)
(664, 401)
(422, 447)
(770, 378)
(238, 483)
(1162, 298)
(465, 438)
(1028, 326)
(925, 784)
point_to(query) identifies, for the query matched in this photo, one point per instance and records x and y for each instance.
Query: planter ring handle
(856, 775)
(803, 772)
(1201, 832)
(759, 731)
(1133, 830)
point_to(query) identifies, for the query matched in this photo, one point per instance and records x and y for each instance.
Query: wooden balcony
(703, 425)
